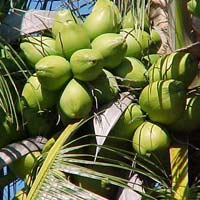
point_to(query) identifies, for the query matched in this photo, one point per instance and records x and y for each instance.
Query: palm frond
(69, 161)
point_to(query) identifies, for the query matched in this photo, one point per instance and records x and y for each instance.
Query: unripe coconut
(71, 38)
(104, 18)
(189, 121)
(35, 48)
(8, 130)
(178, 65)
(150, 59)
(112, 47)
(75, 101)
(105, 87)
(53, 72)
(128, 122)
(128, 20)
(150, 138)
(138, 42)
(155, 41)
(131, 21)
(38, 122)
(193, 7)
(132, 71)
(22, 167)
(61, 17)
(163, 101)
(36, 97)
(86, 64)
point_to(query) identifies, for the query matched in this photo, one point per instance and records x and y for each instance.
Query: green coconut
(155, 41)
(23, 166)
(150, 138)
(163, 101)
(132, 71)
(35, 48)
(138, 42)
(105, 87)
(38, 122)
(61, 17)
(178, 65)
(193, 7)
(86, 64)
(36, 97)
(189, 121)
(104, 18)
(71, 38)
(53, 72)
(8, 130)
(76, 101)
(150, 59)
(130, 21)
(131, 118)
(112, 47)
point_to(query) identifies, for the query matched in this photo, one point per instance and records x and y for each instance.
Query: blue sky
(60, 4)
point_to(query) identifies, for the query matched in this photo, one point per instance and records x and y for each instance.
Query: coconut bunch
(74, 70)
(84, 66)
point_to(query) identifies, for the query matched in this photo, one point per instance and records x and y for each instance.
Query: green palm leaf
(66, 159)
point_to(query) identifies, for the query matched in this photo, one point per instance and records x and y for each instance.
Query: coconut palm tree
(69, 167)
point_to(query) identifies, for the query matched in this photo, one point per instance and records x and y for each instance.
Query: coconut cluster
(76, 69)
(85, 64)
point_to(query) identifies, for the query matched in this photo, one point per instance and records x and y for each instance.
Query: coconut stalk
(179, 28)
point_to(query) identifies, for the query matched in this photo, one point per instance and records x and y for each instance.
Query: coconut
(130, 21)
(61, 17)
(112, 47)
(38, 122)
(71, 38)
(193, 7)
(150, 138)
(104, 18)
(75, 101)
(105, 87)
(35, 48)
(53, 72)
(189, 121)
(22, 167)
(155, 41)
(163, 101)
(138, 42)
(178, 65)
(8, 130)
(86, 64)
(150, 59)
(128, 122)
(36, 97)
(132, 71)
